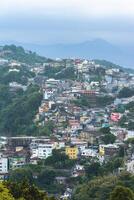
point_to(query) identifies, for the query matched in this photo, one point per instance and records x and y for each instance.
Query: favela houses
(67, 100)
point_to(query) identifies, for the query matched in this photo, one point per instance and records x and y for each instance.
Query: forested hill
(20, 97)
(20, 55)
(108, 64)
(18, 110)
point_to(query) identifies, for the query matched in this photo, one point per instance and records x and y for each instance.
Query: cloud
(68, 8)
(66, 20)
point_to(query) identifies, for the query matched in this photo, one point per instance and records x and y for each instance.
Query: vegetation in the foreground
(110, 187)
(21, 191)
(98, 182)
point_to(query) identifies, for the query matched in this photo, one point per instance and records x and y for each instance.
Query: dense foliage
(20, 76)
(5, 193)
(59, 160)
(67, 73)
(122, 193)
(18, 53)
(51, 72)
(100, 188)
(90, 101)
(16, 118)
(126, 92)
(44, 174)
(21, 191)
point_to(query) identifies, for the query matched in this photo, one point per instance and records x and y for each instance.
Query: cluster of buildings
(74, 122)
(76, 125)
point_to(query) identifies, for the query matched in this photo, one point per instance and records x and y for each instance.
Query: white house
(130, 134)
(42, 150)
(89, 153)
(45, 150)
(130, 166)
(3, 165)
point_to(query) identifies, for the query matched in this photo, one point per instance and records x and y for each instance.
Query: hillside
(19, 54)
(19, 92)
(94, 49)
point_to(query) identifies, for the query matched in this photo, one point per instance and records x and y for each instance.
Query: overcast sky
(63, 21)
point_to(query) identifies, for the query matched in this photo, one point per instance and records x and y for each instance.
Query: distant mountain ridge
(95, 49)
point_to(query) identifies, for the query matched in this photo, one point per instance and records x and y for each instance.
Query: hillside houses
(79, 111)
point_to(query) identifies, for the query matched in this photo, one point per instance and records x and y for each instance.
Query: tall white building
(42, 150)
(130, 166)
(3, 165)
(45, 150)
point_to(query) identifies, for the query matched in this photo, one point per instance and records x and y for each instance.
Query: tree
(26, 191)
(112, 165)
(19, 54)
(126, 92)
(67, 73)
(101, 188)
(104, 100)
(122, 121)
(59, 160)
(131, 125)
(105, 130)
(46, 177)
(94, 169)
(17, 117)
(122, 193)
(5, 193)
(21, 174)
(82, 102)
(47, 129)
(108, 138)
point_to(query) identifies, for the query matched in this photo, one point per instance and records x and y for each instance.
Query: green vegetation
(21, 174)
(102, 188)
(108, 138)
(122, 193)
(45, 172)
(59, 160)
(105, 130)
(95, 169)
(24, 191)
(5, 96)
(47, 129)
(127, 119)
(104, 100)
(82, 102)
(99, 101)
(51, 72)
(126, 92)
(21, 76)
(16, 118)
(18, 53)
(122, 121)
(60, 72)
(67, 73)
(57, 165)
(107, 64)
(5, 193)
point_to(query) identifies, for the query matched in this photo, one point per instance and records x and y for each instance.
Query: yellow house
(102, 150)
(72, 152)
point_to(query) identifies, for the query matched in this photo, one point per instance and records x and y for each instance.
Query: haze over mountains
(95, 49)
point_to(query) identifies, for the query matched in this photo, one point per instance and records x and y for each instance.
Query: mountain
(96, 49)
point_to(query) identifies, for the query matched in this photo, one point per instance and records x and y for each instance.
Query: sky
(67, 21)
